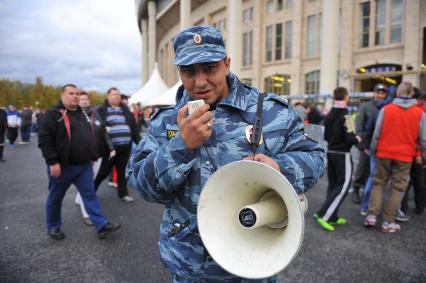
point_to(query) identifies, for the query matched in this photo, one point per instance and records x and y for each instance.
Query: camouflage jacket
(163, 170)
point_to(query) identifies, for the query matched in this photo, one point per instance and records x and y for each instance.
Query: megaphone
(250, 219)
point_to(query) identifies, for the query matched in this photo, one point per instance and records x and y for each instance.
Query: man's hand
(55, 170)
(419, 160)
(197, 127)
(264, 159)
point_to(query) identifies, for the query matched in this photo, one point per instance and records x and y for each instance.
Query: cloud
(94, 44)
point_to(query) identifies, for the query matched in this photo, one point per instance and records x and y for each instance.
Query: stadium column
(411, 40)
(185, 14)
(328, 75)
(235, 36)
(145, 63)
(151, 36)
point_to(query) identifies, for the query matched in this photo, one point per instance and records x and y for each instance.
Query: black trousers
(417, 180)
(362, 170)
(120, 162)
(339, 171)
(1, 144)
(12, 134)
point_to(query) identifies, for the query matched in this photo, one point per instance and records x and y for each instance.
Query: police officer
(174, 160)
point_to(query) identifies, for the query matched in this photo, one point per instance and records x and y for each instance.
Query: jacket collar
(60, 105)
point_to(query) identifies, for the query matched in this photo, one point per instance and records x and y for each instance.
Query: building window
(289, 4)
(364, 24)
(279, 5)
(311, 37)
(380, 22)
(248, 48)
(220, 25)
(278, 84)
(288, 35)
(248, 15)
(278, 41)
(268, 43)
(396, 21)
(269, 7)
(312, 82)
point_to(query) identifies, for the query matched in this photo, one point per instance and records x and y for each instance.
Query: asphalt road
(27, 254)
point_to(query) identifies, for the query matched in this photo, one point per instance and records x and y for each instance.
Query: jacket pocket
(181, 250)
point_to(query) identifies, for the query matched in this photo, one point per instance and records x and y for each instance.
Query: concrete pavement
(351, 253)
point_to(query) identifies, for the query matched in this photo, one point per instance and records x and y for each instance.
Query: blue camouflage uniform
(162, 169)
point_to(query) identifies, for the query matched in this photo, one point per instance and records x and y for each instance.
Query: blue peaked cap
(199, 44)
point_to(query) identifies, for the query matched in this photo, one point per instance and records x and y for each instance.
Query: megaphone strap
(257, 124)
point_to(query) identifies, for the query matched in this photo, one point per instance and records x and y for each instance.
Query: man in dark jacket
(118, 121)
(365, 111)
(66, 141)
(26, 124)
(3, 126)
(339, 132)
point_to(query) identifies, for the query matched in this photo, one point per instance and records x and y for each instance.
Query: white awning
(168, 98)
(154, 87)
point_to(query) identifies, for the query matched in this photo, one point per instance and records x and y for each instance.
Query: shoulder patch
(161, 110)
(276, 98)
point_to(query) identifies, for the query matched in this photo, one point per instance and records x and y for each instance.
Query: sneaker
(2, 160)
(401, 216)
(127, 199)
(87, 221)
(390, 227)
(339, 221)
(364, 212)
(112, 184)
(370, 220)
(323, 223)
(105, 231)
(56, 234)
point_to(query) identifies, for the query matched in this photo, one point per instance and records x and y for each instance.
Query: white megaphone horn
(250, 219)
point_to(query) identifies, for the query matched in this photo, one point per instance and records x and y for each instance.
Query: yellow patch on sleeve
(171, 134)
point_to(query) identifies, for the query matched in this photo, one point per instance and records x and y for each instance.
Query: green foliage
(37, 95)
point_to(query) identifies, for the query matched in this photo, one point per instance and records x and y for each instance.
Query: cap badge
(197, 39)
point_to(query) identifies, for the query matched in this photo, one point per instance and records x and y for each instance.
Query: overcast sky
(94, 44)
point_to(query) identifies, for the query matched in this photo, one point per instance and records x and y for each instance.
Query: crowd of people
(180, 151)
(13, 122)
(390, 135)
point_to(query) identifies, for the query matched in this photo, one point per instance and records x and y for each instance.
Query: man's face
(114, 98)
(206, 81)
(70, 97)
(379, 95)
(84, 101)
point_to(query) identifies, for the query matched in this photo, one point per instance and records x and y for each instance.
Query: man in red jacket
(399, 128)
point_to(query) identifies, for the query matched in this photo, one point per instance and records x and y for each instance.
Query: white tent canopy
(154, 87)
(166, 99)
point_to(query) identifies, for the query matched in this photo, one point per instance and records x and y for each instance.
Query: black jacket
(53, 139)
(104, 145)
(339, 130)
(3, 121)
